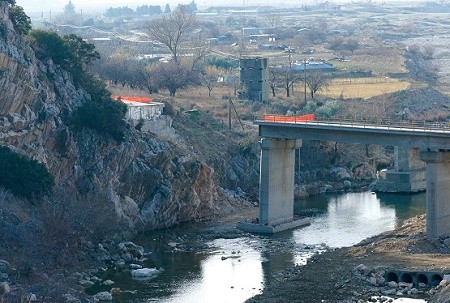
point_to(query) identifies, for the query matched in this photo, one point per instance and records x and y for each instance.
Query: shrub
(48, 45)
(21, 22)
(327, 110)
(101, 113)
(70, 52)
(22, 176)
(223, 63)
(105, 116)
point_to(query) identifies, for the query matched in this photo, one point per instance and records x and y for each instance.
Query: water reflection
(231, 274)
(349, 219)
(216, 274)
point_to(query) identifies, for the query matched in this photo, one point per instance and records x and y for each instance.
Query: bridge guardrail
(363, 123)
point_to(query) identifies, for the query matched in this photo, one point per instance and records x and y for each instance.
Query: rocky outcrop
(150, 183)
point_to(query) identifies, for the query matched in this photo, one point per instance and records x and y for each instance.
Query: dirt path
(338, 276)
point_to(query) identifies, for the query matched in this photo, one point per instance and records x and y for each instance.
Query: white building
(145, 111)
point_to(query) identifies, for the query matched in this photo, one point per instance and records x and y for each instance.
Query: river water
(203, 265)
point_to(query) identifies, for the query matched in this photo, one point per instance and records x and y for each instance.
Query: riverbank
(355, 274)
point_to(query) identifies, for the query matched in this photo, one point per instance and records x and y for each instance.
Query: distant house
(313, 65)
(251, 31)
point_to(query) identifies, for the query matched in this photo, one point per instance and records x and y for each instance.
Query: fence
(363, 123)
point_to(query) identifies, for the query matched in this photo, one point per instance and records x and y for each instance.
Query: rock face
(149, 182)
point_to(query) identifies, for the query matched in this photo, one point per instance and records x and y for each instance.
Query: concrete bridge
(280, 139)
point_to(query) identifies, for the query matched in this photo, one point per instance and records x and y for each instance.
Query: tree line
(125, 11)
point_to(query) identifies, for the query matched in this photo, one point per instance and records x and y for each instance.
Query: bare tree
(273, 20)
(335, 44)
(339, 44)
(288, 79)
(316, 80)
(171, 30)
(273, 80)
(351, 44)
(173, 76)
(282, 77)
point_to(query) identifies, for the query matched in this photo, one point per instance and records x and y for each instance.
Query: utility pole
(229, 113)
(304, 72)
(290, 71)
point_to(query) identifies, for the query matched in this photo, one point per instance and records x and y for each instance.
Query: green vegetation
(223, 63)
(21, 22)
(12, 2)
(48, 45)
(22, 176)
(327, 110)
(72, 53)
(101, 113)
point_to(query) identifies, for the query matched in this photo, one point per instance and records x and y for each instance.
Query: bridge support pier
(408, 175)
(438, 192)
(276, 189)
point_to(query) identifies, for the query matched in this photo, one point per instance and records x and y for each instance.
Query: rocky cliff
(150, 182)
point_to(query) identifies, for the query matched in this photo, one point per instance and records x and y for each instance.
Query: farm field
(363, 87)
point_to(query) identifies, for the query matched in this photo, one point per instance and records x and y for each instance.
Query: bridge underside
(276, 205)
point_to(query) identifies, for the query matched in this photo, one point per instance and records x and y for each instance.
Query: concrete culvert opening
(421, 278)
(391, 276)
(436, 279)
(406, 277)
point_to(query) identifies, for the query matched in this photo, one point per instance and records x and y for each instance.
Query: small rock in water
(414, 291)
(422, 285)
(103, 296)
(86, 283)
(389, 292)
(108, 282)
(135, 266)
(145, 273)
(392, 284)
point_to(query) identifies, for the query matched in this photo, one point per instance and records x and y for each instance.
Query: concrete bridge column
(276, 189)
(408, 174)
(438, 192)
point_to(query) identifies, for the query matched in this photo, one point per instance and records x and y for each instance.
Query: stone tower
(254, 79)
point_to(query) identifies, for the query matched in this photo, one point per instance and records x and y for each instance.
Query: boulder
(389, 292)
(392, 284)
(5, 267)
(363, 172)
(339, 174)
(4, 288)
(145, 273)
(108, 282)
(103, 296)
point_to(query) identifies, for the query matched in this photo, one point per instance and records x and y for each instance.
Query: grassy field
(363, 87)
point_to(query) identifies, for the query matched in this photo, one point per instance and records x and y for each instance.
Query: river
(207, 264)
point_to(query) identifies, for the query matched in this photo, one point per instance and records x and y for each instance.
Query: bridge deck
(427, 136)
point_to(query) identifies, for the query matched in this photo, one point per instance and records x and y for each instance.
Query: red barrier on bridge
(287, 119)
(133, 98)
